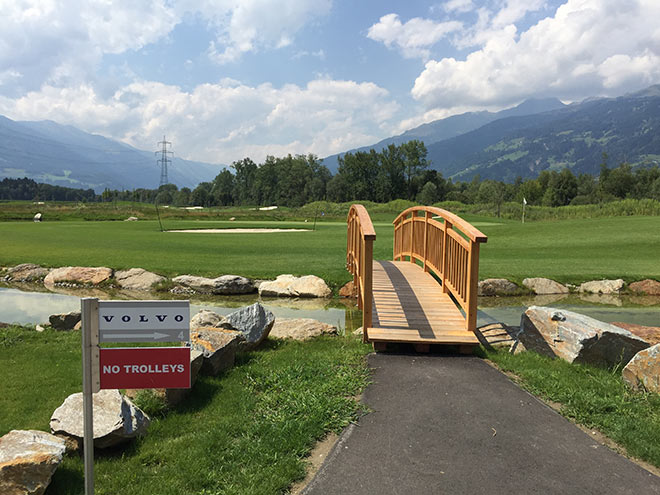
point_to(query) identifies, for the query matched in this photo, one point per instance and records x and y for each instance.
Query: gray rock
(116, 418)
(300, 328)
(217, 346)
(226, 284)
(28, 459)
(26, 272)
(543, 286)
(290, 286)
(82, 275)
(577, 338)
(206, 318)
(254, 322)
(602, 286)
(64, 321)
(131, 219)
(497, 287)
(643, 370)
(137, 279)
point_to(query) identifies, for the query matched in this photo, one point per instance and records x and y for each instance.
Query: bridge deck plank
(410, 306)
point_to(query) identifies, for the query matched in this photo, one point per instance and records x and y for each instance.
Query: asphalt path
(453, 424)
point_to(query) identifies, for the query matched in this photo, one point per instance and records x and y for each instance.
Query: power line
(164, 160)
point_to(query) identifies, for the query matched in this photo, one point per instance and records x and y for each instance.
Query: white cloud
(588, 47)
(458, 6)
(221, 122)
(415, 37)
(45, 41)
(252, 25)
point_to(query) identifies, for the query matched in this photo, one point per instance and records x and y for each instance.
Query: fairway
(569, 251)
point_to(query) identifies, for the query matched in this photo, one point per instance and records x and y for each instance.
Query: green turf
(568, 250)
(246, 431)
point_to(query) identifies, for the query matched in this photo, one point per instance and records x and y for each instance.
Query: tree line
(396, 172)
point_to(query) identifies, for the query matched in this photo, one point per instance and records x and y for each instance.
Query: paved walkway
(445, 424)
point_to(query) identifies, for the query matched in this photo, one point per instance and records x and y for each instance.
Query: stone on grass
(254, 322)
(226, 284)
(28, 459)
(131, 219)
(300, 328)
(497, 287)
(542, 286)
(217, 346)
(643, 370)
(206, 318)
(137, 279)
(65, 321)
(577, 338)
(83, 275)
(650, 334)
(26, 272)
(648, 286)
(348, 290)
(290, 286)
(602, 286)
(38, 217)
(116, 418)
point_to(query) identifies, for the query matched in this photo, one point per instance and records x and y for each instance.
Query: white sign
(144, 321)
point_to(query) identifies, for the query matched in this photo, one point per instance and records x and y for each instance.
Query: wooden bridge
(428, 293)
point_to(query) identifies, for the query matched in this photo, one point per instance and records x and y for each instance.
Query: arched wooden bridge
(428, 293)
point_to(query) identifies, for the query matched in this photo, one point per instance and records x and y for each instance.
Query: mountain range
(63, 155)
(541, 134)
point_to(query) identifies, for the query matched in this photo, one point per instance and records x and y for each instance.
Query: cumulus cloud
(587, 47)
(413, 38)
(45, 41)
(243, 26)
(221, 122)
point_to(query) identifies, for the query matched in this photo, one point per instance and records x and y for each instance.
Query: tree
(246, 171)
(414, 162)
(428, 195)
(222, 189)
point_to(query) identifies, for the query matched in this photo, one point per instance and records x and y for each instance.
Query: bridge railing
(359, 259)
(446, 245)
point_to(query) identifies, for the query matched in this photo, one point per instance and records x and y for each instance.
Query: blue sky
(226, 79)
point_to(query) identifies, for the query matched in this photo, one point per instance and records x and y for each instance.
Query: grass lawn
(246, 431)
(568, 250)
(593, 397)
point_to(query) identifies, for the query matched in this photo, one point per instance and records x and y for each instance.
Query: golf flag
(524, 201)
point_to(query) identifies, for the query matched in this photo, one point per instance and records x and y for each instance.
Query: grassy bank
(570, 251)
(593, 397)
(246, 431)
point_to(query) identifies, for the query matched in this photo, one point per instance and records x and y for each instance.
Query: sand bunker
(238, 231)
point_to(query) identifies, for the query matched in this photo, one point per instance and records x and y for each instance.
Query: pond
(34, 306)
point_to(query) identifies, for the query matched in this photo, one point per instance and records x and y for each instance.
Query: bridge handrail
(446, 245)
(359, 259)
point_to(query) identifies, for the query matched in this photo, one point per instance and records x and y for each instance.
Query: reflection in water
(17, 306)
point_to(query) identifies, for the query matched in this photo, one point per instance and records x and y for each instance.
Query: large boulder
(226, 284)
(497, 287)
(648, 286)
(300, 328)
(116, 419)
(643, 370)
(206, 318)
(577, 338)
(28, 459)
(80, 275)
(137, 279)
(217, 346)
(543, 286)
(602, 286)
(26, 272)
(650, 334)
(290, 286)
(64, 321)
(348, 290)
(254, 322)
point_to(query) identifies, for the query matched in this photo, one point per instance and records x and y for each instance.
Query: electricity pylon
(164, 160)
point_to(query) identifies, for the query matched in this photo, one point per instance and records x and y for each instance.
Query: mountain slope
(63, 155)
(455, 125)
(626, 128)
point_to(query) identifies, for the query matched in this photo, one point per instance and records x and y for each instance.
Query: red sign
(145, 367)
